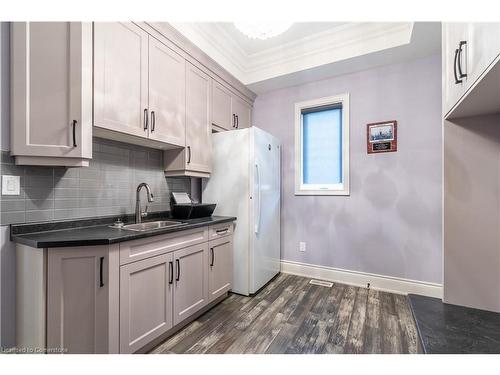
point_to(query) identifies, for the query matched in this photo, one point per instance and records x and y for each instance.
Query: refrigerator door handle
(259, 193)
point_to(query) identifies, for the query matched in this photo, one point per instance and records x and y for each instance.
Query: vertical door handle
(212, 257)
(178, 264)
(259, 193)
(237, 122)
(189, 154)
(153, 121)
(145, 119)
(101, 272)
(457, 81)
(234, 120)
(74, 133)
(171, 272)
(459, 64)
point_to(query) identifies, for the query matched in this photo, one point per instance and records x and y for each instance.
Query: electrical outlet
(302, 246)
(11, 185)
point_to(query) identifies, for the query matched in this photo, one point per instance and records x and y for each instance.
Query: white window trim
(337, 189)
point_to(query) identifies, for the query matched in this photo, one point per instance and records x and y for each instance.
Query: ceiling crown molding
(336, 44)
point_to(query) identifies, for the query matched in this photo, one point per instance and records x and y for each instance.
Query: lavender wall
(391, 222)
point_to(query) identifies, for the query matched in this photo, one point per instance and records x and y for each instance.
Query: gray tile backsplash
(106, 187)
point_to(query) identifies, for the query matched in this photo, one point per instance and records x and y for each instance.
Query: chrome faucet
(138, 213)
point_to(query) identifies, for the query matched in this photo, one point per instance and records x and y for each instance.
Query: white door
(51, 86)
(198, 129)
(454, 83)
(230, 187)
(121, 78)
(483, 41)
(265, 255)
(191, 281)
(146, 299)
(167, 98)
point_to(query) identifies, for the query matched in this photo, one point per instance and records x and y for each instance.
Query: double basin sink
(152, 225)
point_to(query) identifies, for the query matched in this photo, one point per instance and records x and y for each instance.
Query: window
(322, 146)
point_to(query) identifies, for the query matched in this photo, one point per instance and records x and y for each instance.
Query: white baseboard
(356, 278)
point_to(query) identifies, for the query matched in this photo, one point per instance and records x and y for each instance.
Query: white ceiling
(297, 31)
(310, 51)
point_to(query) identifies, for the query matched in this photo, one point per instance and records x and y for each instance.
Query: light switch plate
(11, 185)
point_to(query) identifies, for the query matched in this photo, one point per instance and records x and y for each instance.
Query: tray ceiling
(310, 51)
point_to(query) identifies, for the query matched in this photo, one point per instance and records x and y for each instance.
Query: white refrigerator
(245, 182)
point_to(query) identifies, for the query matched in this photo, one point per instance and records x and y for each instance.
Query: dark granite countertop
(97, 231)
(452, 329)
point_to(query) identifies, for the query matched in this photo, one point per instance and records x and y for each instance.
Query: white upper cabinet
(470, 69)
(51, 86)
(167, 94)
(222, 115)
(139, 88)
(198, 140)
(196, 158)
(483, 47)
(454, 63)
(229, 112)
(242, 113)
(121, 78)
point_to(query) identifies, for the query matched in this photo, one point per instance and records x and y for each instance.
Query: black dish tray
(193, 210)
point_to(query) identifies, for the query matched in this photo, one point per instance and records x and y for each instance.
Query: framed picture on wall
(382, 137)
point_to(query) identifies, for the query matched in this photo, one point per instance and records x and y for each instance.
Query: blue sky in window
(322, 146)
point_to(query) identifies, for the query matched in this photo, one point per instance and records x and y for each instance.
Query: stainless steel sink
(152, 225)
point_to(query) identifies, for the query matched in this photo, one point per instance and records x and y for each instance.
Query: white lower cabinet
(191, 281)
(220, 267)
(95, 299)
(145, 301)
(80, 301)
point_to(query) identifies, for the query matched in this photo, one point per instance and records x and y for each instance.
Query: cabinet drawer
(220, 230)
(135, 250)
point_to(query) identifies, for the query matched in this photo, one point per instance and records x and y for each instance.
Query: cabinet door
(483, 47)
(145, 301)
(78, 288)
(51, 89)
(454, 86)
(167, 99)
(121, 77)
(198, 129)
(222, 114)
(191, 281)
(220, 274)
(242, 111)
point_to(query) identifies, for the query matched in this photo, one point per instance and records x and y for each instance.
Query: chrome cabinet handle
(145, 119)
(74, 133)
(222, 230)
(153, 121)
(189, 154)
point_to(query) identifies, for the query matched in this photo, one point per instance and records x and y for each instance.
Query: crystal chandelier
(262, 30)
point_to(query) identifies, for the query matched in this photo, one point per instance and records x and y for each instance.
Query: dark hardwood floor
(290, 315)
